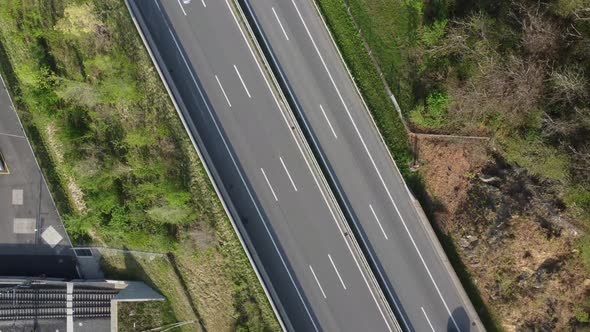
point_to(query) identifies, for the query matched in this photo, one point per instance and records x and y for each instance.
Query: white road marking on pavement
(288, 174)
(51, 236)
(428, 320)
(24, 225)
(316, 182)
(181, 7)
(328, 121)
(11, 135)
(313, 322)
(222, 90)
(340, 229)
(17, 196)
(375, 166)
(241, 80)
(264, 222)
(378, 222)
(338, 273)
(316, 280)
(204, 4)
(281, 24)
(268, 182)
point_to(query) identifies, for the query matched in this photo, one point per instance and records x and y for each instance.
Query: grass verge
(368, 80)
(157, 272)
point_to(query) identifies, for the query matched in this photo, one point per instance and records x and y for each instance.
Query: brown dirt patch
(513, 235)
(448, 165)
(75, 193)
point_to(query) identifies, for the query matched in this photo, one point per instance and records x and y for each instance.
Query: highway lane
(295, 229)
(405, 253)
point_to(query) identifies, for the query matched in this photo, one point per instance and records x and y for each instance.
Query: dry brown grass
(514, 285)
(55, 148)
(508, 91)
(527, 271)
(213, 294)
(158, 273)
(448, 165)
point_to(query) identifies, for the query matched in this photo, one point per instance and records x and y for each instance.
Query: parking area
(29, 223)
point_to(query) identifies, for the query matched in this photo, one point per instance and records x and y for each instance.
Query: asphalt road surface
(423, 290)
(285, 209)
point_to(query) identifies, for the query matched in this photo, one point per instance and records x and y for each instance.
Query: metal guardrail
(271, 295)
(264, 50)
(213, 175)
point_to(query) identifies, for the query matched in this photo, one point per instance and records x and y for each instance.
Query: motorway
(231, 107)
(401, 245)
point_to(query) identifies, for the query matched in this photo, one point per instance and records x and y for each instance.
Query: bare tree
(568, 85)
(580, 166)
(540, 33)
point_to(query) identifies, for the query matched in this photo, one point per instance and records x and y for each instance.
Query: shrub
(433, 115)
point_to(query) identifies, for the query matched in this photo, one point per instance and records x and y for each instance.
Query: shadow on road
(461, 318)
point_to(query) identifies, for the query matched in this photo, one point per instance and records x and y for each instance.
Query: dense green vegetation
(516, 71)
(117, 158)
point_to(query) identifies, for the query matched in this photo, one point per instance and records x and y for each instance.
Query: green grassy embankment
(119, 163)
(368, 80)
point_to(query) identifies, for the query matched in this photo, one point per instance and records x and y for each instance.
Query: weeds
(118, 160)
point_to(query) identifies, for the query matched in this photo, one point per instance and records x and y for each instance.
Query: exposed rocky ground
(514, 234)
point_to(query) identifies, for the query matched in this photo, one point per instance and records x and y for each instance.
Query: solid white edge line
(274, 243)
(337, 273)
(428, 320)
(397, 327)
(241, 80)
(268, 182)
(222, 90)
(181, 7)
(316, 280)
(315, 179)
(11, 135)
(280, 24)
(328, 121)
(378, 222)
(288, 174)
(204, 4)
(313, 322)
(375, 166)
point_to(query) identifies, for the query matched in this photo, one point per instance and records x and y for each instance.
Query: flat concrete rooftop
(30, 226)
